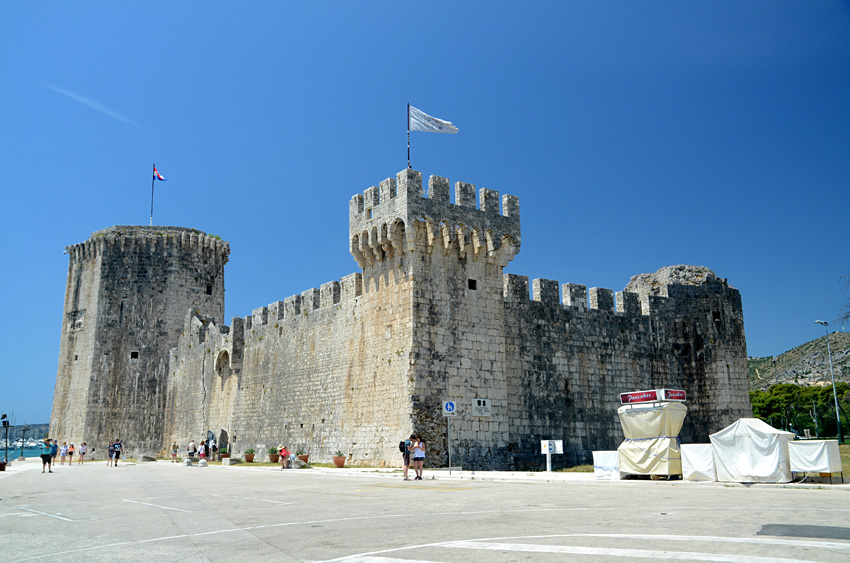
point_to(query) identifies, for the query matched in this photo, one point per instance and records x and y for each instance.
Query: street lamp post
(5, 420)
(23, 441)
(825, 325)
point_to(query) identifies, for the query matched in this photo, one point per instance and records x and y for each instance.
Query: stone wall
(319, 372)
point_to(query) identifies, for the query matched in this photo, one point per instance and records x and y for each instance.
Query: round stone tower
(128, 291)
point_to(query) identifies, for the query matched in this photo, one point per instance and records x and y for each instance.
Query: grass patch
(577, 469)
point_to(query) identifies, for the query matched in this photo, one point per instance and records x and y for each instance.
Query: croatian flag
(157, 175)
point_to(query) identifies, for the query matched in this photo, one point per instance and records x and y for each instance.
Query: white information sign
(480, 407)
(550, 447)
(449, 408)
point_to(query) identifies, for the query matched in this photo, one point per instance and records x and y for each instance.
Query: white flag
(421, 121)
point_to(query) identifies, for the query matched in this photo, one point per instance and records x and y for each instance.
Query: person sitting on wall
(190, 449)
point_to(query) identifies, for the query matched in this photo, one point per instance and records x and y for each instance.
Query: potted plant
(223, 452)
(339, 459)
(249, 455)
(302, 456)
(274, 455)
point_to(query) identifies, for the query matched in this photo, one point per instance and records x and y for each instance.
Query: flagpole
(153, 177)
(408, 135)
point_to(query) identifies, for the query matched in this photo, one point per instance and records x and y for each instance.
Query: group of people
(113, 453)
(414, 447)
(50, 448)
(205, 449)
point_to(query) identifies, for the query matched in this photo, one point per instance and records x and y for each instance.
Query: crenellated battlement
(654, 294)
(124, 238)
(325, 297)
(381, 219)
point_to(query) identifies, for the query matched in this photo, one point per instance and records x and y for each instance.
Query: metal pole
(23, 440)
(449, 440)
(153, 177)
(408, 150)
(832, 373)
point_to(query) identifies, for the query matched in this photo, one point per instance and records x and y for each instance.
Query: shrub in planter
(249, 455)
(274, 455)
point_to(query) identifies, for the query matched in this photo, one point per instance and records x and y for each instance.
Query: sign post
(550, 447)
(449, 411)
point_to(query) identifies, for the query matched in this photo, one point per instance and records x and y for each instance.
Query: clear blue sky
(636, 135)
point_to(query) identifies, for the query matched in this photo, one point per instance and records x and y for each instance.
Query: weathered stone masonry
(359, 363)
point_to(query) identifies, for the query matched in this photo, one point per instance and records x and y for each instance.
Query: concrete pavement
(160, 510)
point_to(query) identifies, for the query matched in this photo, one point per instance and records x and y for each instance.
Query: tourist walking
(71, 454)
(83, 450)
(418, 456)
(110, 454)
(174, 447)
(202, 450)
(190, 449)
(63, 453)
(54, 451)
(46, 456)
(117, 447)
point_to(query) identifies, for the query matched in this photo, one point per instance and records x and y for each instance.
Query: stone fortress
(358, 364)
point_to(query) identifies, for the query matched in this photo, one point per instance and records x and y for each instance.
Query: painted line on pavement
(157, 506)
(490, 543)
(46, 514)
(625, 553)
(255, 499)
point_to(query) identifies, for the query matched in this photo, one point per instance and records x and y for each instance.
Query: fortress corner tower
(128, 292)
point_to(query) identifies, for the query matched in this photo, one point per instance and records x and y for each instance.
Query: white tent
(651, 446)
(698, 462)
(751, 451)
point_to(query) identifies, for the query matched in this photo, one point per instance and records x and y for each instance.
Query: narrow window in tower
(368, 213)
(134, 355)
(75, 357)
(472, 284)
(209, 290)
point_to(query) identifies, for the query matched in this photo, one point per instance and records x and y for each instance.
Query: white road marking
(491, 543)
(157, 506)
(45, 514)
(255, 499)
(613, 552)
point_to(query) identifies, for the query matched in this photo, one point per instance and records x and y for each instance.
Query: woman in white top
(418, 456)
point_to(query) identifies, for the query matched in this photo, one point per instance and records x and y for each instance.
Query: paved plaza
(162, 511)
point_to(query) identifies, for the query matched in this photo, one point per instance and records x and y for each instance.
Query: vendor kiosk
(651, 422)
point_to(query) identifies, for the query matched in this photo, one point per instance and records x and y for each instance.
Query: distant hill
(35, 432)
(807, 364)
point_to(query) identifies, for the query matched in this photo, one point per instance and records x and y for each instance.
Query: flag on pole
(421, 121)
(157, 175)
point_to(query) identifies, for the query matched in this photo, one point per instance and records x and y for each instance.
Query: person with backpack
(406, 447)
(116, 448)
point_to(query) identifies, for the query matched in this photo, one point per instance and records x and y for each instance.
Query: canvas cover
(751, 451)
(815, 456)
(698, 462)
(651, 446)
(606, 465)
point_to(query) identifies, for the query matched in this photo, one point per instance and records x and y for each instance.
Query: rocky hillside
(804, 365)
